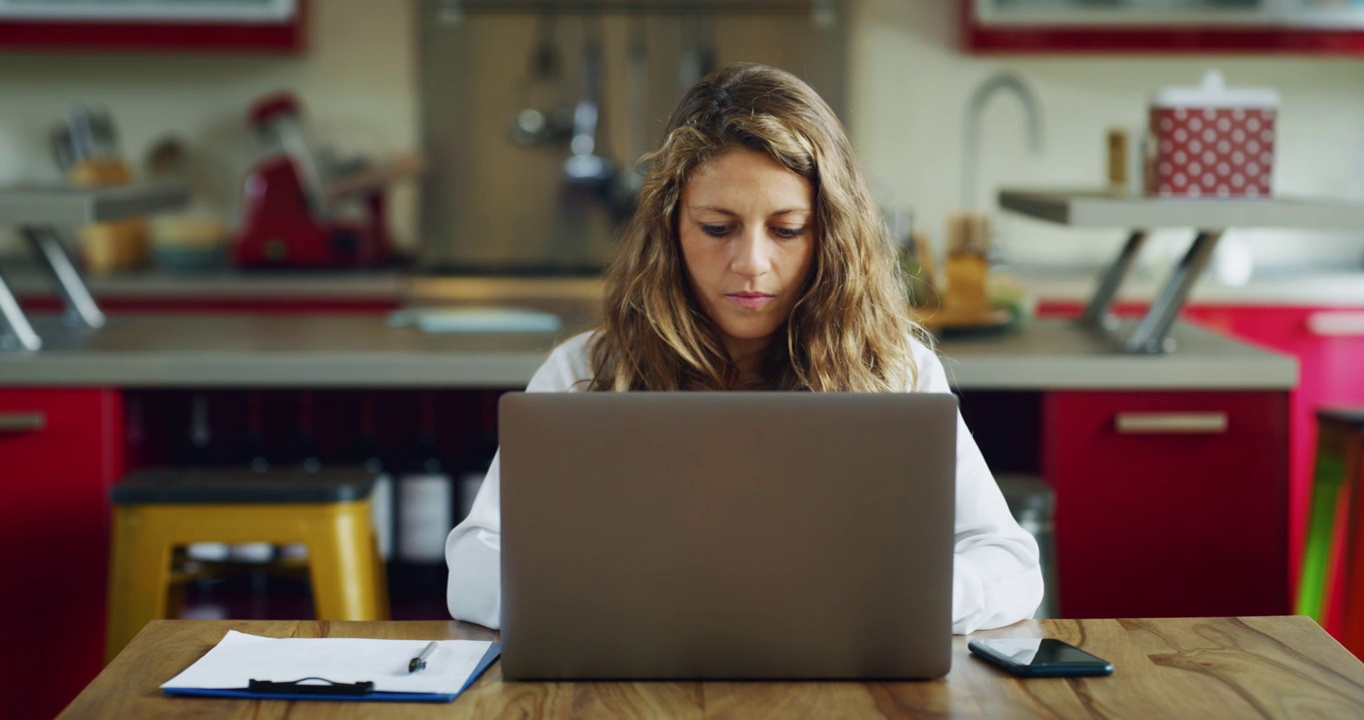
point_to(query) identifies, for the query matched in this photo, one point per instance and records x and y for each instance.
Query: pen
(419, 662)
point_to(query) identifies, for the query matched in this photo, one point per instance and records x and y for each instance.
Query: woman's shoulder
(568, 367)
(927, 374)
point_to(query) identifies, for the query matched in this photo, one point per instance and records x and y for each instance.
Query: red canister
(1212, 141)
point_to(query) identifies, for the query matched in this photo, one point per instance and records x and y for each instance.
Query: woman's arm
(473, 551)
(996, 578)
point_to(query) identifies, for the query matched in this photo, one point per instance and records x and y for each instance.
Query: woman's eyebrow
(727, 211)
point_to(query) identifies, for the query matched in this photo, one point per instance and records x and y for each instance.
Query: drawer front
(60, 450)
(1169, 504)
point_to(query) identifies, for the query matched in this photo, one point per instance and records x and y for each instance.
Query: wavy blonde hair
(849, 330)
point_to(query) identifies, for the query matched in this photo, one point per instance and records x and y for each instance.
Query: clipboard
(251, 667)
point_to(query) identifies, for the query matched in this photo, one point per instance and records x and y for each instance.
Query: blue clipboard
(344, 692)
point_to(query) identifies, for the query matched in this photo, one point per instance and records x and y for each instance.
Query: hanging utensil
(637, 90)
(585, 169)
(637, 81)
(545, 116)
(589, 178)
(689, 58)
(698, 57)
(705, 44)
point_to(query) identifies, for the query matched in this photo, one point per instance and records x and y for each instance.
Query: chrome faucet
(971, 140)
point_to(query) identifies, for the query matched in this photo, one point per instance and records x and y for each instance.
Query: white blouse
(996, 578)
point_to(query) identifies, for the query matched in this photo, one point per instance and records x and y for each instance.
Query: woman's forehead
(742, 180)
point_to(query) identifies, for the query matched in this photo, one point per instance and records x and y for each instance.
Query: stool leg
(138, 579)
(380, 577)
(1337, 567)
(341, 564)
(1314, 581)
(1352, 571)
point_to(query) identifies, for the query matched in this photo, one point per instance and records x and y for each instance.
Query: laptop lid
(727, 535)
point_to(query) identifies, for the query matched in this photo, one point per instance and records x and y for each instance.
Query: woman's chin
(748, 331)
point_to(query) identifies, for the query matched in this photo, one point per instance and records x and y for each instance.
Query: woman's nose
(752, 254)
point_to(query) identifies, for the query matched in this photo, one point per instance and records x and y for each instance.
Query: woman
(757, 259)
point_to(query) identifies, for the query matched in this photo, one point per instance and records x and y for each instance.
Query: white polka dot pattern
(1212, 152)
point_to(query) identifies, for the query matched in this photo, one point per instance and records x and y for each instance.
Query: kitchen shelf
(37, 211)
(1139, 214)
(66, 206)
(1107, 209)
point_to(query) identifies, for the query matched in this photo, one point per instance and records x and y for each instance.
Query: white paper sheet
(240, 658)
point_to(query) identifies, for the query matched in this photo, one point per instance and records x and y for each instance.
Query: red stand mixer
(298, 213)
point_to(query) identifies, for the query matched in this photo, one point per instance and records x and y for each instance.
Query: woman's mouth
(750, 300)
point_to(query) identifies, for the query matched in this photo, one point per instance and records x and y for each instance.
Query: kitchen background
(904, 101)
(1112, 458)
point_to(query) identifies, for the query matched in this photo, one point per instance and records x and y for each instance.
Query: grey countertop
(353, 350)
(26, 279)
(1059, 355)
(1310, 286)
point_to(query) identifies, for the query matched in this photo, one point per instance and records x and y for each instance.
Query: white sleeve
(996, 578)
(473, 551)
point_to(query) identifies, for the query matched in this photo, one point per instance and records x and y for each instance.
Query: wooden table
(1197, 668)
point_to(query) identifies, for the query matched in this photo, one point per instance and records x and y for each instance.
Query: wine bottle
(200, 438)
(369, 454)
(257, 454)
(478, 455)
(254, 450)
(305, 450)
(425, 495)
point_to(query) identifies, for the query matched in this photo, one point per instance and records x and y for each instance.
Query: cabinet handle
(1336, 323)
(17, 422)
(1194, 423)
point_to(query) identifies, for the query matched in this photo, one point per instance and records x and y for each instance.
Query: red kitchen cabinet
(60, 451)
(1169, 504)
(239, 26)
(1328, 343)
(1306, 27)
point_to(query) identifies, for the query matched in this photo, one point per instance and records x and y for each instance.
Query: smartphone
(1040, 657)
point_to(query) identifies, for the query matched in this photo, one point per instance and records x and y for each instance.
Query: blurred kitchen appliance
(87, 151)
(302, 210)
(1211, 141)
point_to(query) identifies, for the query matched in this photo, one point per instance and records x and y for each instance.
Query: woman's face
(746, 226)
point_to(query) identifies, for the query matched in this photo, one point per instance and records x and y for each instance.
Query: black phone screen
(1041, 655)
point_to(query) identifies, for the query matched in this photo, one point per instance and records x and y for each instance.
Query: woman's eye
(789, 233)
(715, 230)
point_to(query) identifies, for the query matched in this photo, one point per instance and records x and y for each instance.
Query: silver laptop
(727, 535)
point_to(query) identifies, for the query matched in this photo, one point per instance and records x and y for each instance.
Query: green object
(1313, 581)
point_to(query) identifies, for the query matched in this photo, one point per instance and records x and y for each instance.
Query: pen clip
(363, 687)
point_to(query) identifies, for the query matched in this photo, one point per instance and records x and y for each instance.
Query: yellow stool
(156, 511)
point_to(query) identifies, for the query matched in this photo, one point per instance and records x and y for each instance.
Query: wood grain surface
(1254, 667)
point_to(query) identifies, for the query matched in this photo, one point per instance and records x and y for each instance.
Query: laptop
(727, 536)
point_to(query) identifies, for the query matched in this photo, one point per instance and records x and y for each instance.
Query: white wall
(357, 80)
(911, 83)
